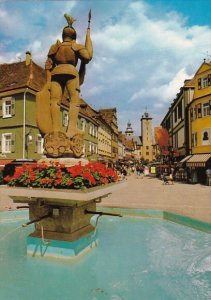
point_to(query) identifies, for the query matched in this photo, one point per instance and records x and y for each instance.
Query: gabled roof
(87, 110)
(137, 140)
(206, 65)
(129, 144)
(19, 75)
(190, 82)
(108, 114)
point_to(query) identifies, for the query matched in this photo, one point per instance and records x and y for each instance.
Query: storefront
(182, 173)
(197, 165)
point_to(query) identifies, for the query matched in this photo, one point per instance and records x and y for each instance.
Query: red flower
(104, 180)
(59, 174)
(70, 182)
(87, 175)
(58, 181)
(75, 170)
(8, 178)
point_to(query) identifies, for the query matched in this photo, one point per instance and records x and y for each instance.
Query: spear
(89, 18)
(88, 45)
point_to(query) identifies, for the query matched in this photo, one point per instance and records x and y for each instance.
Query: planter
(60, 196)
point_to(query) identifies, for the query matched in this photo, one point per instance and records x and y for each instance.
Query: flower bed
(56, 175)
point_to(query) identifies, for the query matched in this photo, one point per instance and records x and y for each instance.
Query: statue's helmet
(69, 32)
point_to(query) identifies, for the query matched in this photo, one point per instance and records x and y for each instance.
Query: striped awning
(198, 160)
(184, 160)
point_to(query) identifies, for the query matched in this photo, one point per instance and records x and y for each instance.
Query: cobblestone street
(150, 193)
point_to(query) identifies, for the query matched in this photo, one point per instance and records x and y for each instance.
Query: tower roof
(129, 130)
(146, 116)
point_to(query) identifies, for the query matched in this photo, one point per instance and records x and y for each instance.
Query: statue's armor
(65, 54)
(63, 58)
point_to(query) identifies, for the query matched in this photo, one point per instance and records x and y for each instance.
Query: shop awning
(185, 159)
(198, 160)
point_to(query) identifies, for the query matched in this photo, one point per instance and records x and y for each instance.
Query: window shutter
(210, 107)
(199, 83)
(0, 143)
(13, 106)
(13, 143)
(196, 115)
(199, 110)
(35, 145)
(1, 108)
(209, 79)
(191, 114)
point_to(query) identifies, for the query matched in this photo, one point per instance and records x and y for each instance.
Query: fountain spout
(37, 220)
(22, 206)
(101, 213)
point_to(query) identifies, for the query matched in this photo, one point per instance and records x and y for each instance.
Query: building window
(39, 144)
(206, 136)
(205, 109)
(6, 142)
(195, 113)
(199, 110)
(90, 129)
(7, 107)
(90, 147)
(194, 139)
(175, 115)
(167, 124)
(180, 110)
(204, 82)
(83, 124)
(95, 131)
(65, 119)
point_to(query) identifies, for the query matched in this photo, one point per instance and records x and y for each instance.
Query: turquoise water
(136, 258)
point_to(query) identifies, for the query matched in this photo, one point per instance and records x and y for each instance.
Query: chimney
(28, 58)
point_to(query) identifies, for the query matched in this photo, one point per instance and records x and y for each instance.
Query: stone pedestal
(67, 231)
(62, 224)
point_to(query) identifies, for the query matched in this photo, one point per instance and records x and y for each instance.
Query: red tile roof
(18, 75)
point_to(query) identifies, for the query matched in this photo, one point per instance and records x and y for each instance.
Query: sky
(143, 50)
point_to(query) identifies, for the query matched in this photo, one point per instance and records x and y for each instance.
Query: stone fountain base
(62, 224)
(61, 249)
(66, 233)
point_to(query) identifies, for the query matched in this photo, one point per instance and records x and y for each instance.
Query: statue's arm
(84, 55)
(88, 44)
(48, 68)
(85, 52)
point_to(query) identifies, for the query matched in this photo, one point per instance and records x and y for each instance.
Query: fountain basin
(136, 258)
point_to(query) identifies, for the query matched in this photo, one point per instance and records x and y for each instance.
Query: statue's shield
(43, 115)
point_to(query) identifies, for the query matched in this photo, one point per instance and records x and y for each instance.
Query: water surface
(136, 258)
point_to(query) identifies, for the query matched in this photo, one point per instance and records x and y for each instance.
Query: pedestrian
(138, 171)
(171, 178)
